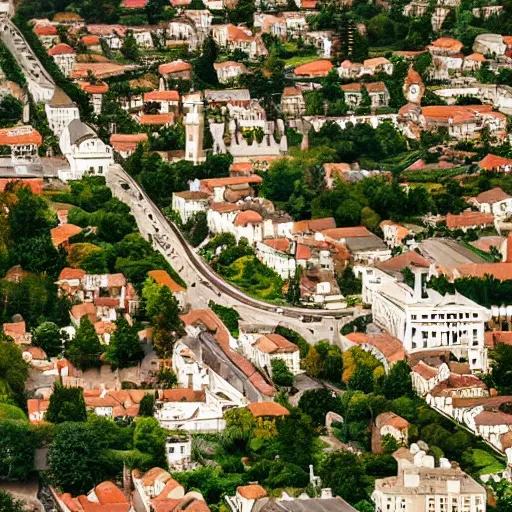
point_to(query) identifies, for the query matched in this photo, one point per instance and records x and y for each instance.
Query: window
(443, 502)
(431, 503)
(434, 334)
(182, 450)
(413, 317)
(424, 317)
(424, 337)
(475, 315)
(171, 449)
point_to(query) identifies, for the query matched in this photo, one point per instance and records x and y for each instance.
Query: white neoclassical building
(420, 486)
(424, 320)
(85, 152)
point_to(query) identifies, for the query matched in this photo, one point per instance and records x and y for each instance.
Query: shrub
(281, 375)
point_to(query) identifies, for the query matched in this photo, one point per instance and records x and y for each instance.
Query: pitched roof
(99, 88)
(377, 61)
(61, 49)
(391, 419)
(494, 195)
(303, 252)
(237, 34)
(63, 233)
(20, 135)
(155, 119)
(176, 66)
(291, 91)
(181, 395)
(232, 180)
(99, 69)
(45, 29)
(492, 162)
(34, 184)
(425, 371)
(127, 142)
(315, 68)
(246, 217)
(262, 409)
(162, 96)
(354, 232)
(251, 492)
(458, 113)
(406, 259)
(389, 346)
(468, 219)
(162, 278)
(228, 64)
(275, 344)
(279, 244)
(477, 57)
(134, 4)
(71, 273)
(305, 226)
(90, 40)
(448, 43)
(501, 270)
(370, 87)
(80, 310)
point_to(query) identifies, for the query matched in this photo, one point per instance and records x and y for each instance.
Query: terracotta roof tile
(274, 344)
(305, 226)
(14, 329)
(34, 184)
(63, 233)
(99, 88)
(251, 492)
(314, 69)
(406, 259)
(237, 34)
(494, 195)
(303, 252)
(177, 66)
(340, 233)
(71, 273)
(377, 61)
(61, 49)
(134, 4)
(90, 40)
(279, 244)
(469, 219)
(262, 409)
(501, 271)
(389, 346)
(493, 162)
(45, 29)
(391, 419)
(248, 217)
(181, 395)
(163, 278)
(20, 135)
(80, 310)
(233, 180)
(425, 371)
(448, 43)
(156, 119)
(162, 96)
(128, 142)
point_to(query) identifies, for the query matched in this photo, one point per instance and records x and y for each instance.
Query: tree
(501, 368)
(11, 111)
(196, 228)
(398, 381)
(312, 363)
(348, 282)
(344, 473)
(66, 404)
(370, 219)
(293, 293)
(13, 372)
(295, 438)
(362, 379)
(348, 213)
(18, 443)
(204, 66)
(130, 48)
(163, 310)
(48, 337)
(281, 375)
(166, 379)
(147, 405)
(316, 403)
(149, 437)
(9, 504)
(124, 348)
(73, 458)
(242, 12)
(85, 349)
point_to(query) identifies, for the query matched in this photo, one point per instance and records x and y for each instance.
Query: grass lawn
(299, 60)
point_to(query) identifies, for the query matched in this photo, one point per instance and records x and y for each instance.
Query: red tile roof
(99, 69)
(313, 225)
(162, 278)
(45, 30)
(494, 195)
(251, 492)
(177, 66)
(458, 114)
(233, 180)
(391, 419)
(181, 395)
(406, 259)
(377, 61)
(370, 87)
(36, 352)
(162, 96)
(63, 233)
(90, 40)
(493, 418)
(80, 310)
(242, 167)
(61, 49)
(248, 217)
(237, 34)
(15, 329)
(492, 162)
(425, 371)
(279, 244)
(20, 135)
(262, 409)
(501, 271)
(71, 273)
(448, 43)
(314, 69)
(34, 184)
(492, 338)
(291, 91)
(127, 142)
(340, 233)
(303, 252)
(274, 344)
(469, 219)
(100, 88)
(134, 4)
(156, 119)
(227, 64)
(477, 57)
(389, 346)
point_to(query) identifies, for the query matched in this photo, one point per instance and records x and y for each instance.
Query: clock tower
(414, 89)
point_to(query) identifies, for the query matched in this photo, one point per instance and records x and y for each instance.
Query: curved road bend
(204, 284)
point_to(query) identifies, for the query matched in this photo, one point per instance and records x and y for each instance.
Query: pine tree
(167, 324)
(85, 349)
(130, 48)
(124, 349)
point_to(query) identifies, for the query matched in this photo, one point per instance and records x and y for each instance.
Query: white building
(277, 253)
(64, 56)
(234, 38)
(494, 201)
(178, 449)
(23, 143)
(421, 322)
(420, 486)
(229, 70)
(61, 111)
(85, 152)
(262, 349)
(187, 203)
(292, 102)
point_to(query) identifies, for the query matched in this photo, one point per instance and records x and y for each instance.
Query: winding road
(203, 284)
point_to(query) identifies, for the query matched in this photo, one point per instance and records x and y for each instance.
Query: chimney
(325, 493)
(509, 248)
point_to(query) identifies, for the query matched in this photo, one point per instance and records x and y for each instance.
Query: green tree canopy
(124, 349)
(316, 403)
(66, 404)
(149, 437)
(49, 338)
(18, 443)
(85, 349)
